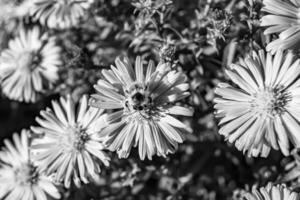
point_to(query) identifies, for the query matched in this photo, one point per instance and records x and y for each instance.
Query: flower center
(74, 139)
(28, 61)
(27, 174)
(138, 98)
(270, 101)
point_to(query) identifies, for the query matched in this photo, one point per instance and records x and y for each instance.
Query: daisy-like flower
(11, 13)
(10, 9)
(20, 179)
(29, 66)
(142, 104)
(69, 146)
(271, 192)
(283, 18)
(260, 110)
(60, 14)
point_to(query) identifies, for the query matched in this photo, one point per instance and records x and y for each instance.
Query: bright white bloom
(20, 179)
(29, 66)
(143, 104)
(261, 109)
(69, 145)
(284, 18)
(11, 9)
(271, 192)
(60, 13)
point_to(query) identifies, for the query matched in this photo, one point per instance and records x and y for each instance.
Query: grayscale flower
(69, 146)
(20, 179)
(271, 192)
(29, 66)
(12, 9)
(143, 105)
(260, 110)
(59, 14)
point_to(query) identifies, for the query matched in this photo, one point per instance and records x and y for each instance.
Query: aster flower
(20, 179)
(12, 12)
(261, 109)
(292, 170)
(59, 13)
(272, 192)
(12, 9)
(282, 18)
(142, 104)
(69, 146)
(29, 66)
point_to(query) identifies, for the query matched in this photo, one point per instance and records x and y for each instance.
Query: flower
(142, 106)
(283, 18)
(69, 146)
(11, 9)
(29, 66)
(12, 12)
(20, 179)
(272, 192)
(59, 14)
(261, 109)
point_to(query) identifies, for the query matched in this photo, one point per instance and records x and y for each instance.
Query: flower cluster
(69, 142)
(110, 89)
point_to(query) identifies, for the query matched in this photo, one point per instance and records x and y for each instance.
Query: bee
(138, 98)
